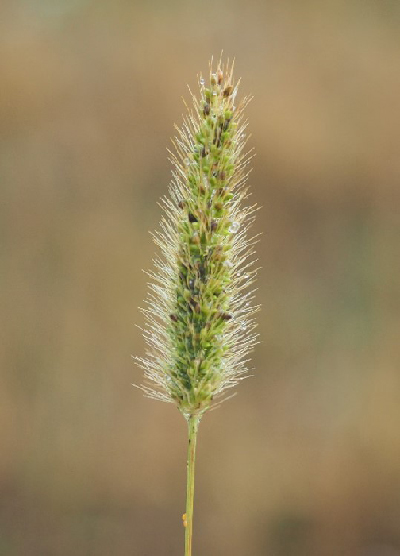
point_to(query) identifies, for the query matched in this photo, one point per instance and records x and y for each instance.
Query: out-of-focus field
(305, 461)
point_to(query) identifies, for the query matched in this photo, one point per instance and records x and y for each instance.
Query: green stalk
(193, 425)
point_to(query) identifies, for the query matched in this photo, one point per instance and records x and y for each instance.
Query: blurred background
(305, 461)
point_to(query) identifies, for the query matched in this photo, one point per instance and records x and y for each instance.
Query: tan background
(305, 461)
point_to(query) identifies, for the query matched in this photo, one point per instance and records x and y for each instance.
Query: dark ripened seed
(228, 91)
(206, 109)
(174, 318)
(193, 305)
(181, 204)
(192, 218)
(225, 316)
(213, 225)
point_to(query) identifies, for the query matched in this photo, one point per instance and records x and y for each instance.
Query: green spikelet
(199, 310)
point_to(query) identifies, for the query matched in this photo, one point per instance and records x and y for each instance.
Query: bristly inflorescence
(199, 325)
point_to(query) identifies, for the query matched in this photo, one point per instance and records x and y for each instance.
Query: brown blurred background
(305, 461)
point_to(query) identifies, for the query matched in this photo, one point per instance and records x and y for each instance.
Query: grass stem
(193, 424)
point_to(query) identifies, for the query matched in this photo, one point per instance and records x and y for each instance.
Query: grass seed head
(199, 325)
